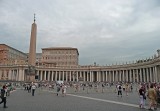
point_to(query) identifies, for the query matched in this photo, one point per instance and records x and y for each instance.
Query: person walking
(33, 89)
(127, 89)
(152, 95)
(3, 96)
(141, 96)
(119, 89)
(64, 89)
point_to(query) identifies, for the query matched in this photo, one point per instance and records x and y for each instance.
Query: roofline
(14, 49)
(61, 48)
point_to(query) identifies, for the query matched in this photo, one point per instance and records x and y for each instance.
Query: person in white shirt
(33, 89)
(64, 89)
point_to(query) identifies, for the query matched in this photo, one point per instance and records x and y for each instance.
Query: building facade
(11, 56)
(60, 57)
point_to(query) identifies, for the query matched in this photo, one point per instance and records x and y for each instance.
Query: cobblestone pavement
(45, 100)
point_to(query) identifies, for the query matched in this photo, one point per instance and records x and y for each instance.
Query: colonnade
(149, 74)
(12, 74)
(91, 74)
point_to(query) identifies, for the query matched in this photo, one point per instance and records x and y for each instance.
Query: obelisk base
(31, 78)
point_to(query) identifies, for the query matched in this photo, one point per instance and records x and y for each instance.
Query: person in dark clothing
(119, 88)
(3, 96)
(141, 96)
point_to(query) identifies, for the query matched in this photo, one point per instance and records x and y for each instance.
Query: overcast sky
(104, 31)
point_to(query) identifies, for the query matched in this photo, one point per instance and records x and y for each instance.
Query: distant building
(60, 57)
(11, 56)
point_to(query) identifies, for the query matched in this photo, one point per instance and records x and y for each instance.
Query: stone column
(133, 80)
(63, 76)
(9, 75)
(80, 73)
(84, 76)
(103, 76)
(113, 76)
(17, 77)
(59, 75)
(120, 75)
(150, 74)
(66, 75)
(70, 76)
(42, 75)
(106, 76)
(137, 75)
(156, 77)
(140, 75)
(116, 76)
(127, 76)
(109, 76)
(49, 72)
(23, 75)
(52, 75)
(130, 75)
(73, 76)
(56, 76)
(97, 76)
(123, 76)
(87, 76)
(147, 74)
(77, 76)
(92, 75)
(144, 75)
(16, 74)
(45, 75)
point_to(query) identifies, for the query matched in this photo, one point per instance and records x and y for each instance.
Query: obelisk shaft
(32, 49)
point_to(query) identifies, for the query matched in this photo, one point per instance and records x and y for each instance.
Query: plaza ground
(46, 100)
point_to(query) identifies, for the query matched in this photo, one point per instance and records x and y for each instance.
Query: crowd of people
(150, 91)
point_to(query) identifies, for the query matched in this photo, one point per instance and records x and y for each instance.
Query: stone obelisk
(32, 52)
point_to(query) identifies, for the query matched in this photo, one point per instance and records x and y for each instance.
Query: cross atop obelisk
(34, 17)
